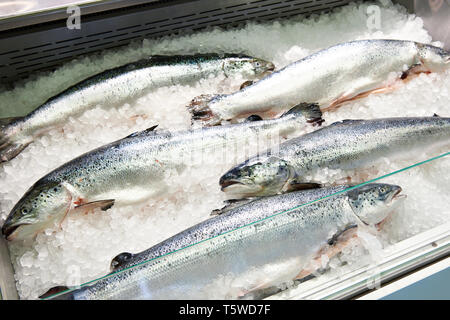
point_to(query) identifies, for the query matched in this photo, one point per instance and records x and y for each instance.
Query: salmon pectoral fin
(334, 246)
(247, 83)
(259, 294)
(406, 76)
(343, 180)
(89, 206)
(260, 291)
(414, 71)
(347, 97)
(297, 186)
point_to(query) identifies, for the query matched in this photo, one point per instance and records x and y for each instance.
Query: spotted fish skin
(328, 77)
(135, 168)
(245, 214)
(116, 85)
(267, 231)
(348, 144)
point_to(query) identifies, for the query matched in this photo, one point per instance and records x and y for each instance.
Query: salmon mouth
(393, 202)
(269, 70)
(240, 189)
(392, 205)
(397, 195)
(9, 232)
(226, 184)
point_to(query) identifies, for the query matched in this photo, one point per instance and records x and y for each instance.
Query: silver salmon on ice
(136, 167)
(348, 144)
(118, 84)
(264, 243)
(329, 77)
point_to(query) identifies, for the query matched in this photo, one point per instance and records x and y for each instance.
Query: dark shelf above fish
(41, 41)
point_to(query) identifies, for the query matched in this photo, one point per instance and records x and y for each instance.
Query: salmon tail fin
(9, 147)
(201, 112)
(311, 112)
(9, 150)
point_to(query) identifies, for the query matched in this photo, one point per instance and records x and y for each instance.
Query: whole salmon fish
(348, 144)
(236, 253)
(115, 86)
(136, 167)
(328, 77)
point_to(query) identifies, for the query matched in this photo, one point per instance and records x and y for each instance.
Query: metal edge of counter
(43, 47)
(60, 13)
(407, 284)
(397, 260)
(8, 290)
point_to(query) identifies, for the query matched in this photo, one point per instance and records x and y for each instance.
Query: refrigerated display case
(37, 46)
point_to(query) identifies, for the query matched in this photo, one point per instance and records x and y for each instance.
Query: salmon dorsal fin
(345, 122)
(311, 112)
(253, 118)
(120, 260)
(231, 204)
(143, 132)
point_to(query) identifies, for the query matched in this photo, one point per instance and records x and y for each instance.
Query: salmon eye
(24, 210)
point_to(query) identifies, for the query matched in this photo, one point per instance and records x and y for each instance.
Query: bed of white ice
(83, 249)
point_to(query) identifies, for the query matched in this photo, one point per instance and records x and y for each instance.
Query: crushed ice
(83, 249)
